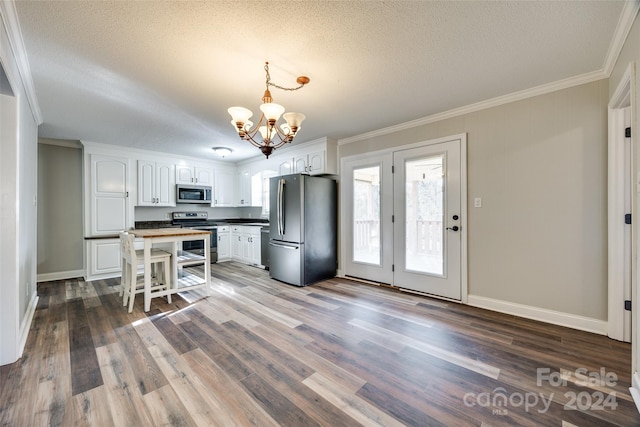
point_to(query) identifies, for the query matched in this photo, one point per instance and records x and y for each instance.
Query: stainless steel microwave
(193, 194)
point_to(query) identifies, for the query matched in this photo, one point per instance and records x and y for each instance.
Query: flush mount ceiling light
(273, 136)
(222, 151)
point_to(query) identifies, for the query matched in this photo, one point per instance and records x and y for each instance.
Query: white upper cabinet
(285, 166)
(195, 175)
(108, 210)
(156, 183)
(313, 159)
(243, 195)
(223, 188)
(311, 163)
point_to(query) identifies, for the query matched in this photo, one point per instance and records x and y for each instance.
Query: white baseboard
(26, 323)
(535, 313)
(60, 275)
(635, 389)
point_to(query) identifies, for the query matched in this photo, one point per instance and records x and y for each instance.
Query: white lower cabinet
(224, 243)
(103, 259)
(245, 243)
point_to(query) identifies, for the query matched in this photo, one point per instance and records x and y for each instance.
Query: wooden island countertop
(167, 232)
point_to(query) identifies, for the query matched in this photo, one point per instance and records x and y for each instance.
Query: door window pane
(366, 215)
(424, 215)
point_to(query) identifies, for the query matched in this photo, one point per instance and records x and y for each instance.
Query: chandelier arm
(256, 128)
(281, 134)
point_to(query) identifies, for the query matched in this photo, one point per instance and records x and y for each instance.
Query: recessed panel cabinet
(312, 163)
(245, 242)
(314, 159)
(224, 243)
(108, 198)
(243, 195)
(156, 184)
(103, 258)
(195, 175)
(223, 188)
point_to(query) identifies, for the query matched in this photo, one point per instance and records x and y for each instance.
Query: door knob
(454, 228)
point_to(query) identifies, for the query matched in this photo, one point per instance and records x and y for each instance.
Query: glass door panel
(366, 201)
(366, 215)
(424, 214)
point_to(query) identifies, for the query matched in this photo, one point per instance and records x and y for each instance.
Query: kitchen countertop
(167, 232)
(227, 221)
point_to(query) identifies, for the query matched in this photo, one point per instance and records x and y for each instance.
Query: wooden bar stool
(130, 283)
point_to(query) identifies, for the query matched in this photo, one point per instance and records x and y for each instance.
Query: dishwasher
(264, 247)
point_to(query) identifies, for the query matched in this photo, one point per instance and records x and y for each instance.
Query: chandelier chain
(268, 82)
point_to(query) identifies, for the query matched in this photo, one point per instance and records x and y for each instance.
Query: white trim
(541, 314)
(616, 202)
(26, 324)
(627, 17)
(635, 389)
(482, 105)
(464, 213)
(60, 275)
(14, 34)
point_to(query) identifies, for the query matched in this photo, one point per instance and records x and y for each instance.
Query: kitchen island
(184, 281)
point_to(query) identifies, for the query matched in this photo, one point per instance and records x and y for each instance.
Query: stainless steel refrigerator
(302, 235)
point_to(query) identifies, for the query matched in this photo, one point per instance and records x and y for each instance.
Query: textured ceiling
(160, 75)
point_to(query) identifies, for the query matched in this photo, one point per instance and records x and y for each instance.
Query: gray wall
(60, 235)
(540, 166)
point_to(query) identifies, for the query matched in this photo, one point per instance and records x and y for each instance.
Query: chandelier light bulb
(272, 111)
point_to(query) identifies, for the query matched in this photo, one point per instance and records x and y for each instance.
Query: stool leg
(125, 283)
(132, 281)
(166, 278)
(122, 273)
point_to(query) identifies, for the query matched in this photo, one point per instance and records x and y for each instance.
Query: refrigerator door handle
(280, 207)
(283, 246)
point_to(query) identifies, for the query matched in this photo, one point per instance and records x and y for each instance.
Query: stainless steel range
(198, 221)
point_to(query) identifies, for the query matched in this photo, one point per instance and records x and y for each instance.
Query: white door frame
(618, 257)
(345, 224)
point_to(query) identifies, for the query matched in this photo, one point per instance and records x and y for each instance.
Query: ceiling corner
(627, 17)
(9, 16)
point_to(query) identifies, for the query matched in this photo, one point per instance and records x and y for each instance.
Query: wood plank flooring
(338, 353)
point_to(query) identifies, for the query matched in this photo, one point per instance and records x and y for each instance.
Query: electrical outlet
(477, 202)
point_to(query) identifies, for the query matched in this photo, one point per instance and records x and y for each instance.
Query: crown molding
(627, 17)
(9, 16)
(482, 105)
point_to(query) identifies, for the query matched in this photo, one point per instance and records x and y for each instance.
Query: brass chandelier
(273, 136)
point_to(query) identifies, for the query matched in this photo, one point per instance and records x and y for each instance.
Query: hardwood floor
(337, 353)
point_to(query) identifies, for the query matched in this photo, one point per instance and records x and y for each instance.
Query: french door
(405, 211)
